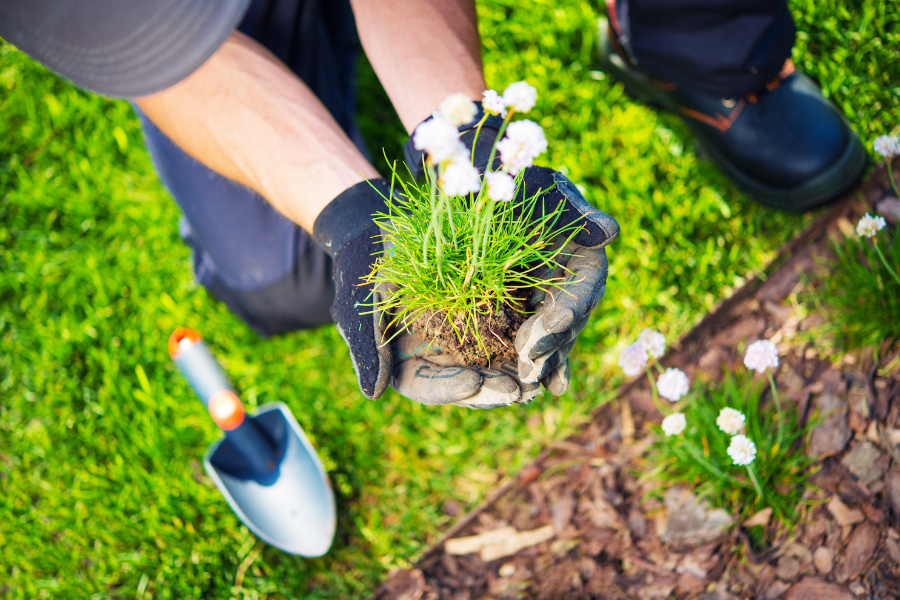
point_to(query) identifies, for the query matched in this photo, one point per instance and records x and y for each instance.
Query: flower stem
(759, 491)
(477, 132)
(885, 262)
(695, 453)
(434, 183)
(662, 410)
(777, 406)
(891, 177)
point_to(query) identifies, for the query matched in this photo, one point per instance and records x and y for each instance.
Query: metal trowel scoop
(264, 466)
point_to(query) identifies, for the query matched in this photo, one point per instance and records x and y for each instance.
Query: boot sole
(819, 190)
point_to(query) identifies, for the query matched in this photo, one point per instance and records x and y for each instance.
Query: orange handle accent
(226, 410)
(176, 345)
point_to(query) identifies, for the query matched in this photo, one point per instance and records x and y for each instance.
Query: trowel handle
(202, 371)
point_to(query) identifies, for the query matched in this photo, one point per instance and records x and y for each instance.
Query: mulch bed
(578, 521)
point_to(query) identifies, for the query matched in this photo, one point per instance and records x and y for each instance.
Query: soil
(578, 522)
(497, 331)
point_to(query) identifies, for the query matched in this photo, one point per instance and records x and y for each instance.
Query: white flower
(500, 186)
(730, 420)
(887, 145)
(673, 384)
(633, 359)
(493, 103)
(458, 109)
(439, 138)
(868, 226)
(674, 424)
(458, 176)
(653, 342)
(761, 355)
(520, 96)
(523, 143)
(741, 450)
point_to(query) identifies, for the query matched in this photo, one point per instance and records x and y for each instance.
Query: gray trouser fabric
(265, 268)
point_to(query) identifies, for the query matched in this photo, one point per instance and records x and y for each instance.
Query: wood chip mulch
(578, 522)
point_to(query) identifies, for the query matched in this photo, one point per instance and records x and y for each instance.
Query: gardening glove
(345, 229)
(424, 373)
(545, 339)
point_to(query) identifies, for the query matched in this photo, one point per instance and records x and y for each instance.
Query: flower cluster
(633, 359)
(673, 384)
(524, 141)
(887, 145)
(730, 421)
(742, 450)
(761, 355)
(674, 424)
(868, 226)
(653, 342)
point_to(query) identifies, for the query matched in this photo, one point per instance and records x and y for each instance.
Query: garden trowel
(264, 466)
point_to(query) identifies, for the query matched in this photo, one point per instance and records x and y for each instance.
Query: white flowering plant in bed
(463, 248)
(731, 440)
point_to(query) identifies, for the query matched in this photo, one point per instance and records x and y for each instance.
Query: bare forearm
(247, 117)
(422, 51)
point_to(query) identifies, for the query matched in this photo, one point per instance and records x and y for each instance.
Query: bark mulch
(578, 521)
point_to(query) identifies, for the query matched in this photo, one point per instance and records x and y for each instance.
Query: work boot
(786, 145)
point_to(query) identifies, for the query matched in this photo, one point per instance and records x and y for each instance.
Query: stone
(813, 588)
(823, 558)
(866, 462)
(788, 568)
(833, 434)
(691, 521)
(857, 552)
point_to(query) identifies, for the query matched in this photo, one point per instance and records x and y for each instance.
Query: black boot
(786, 146)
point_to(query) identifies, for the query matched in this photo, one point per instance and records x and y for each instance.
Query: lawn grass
(101, 491)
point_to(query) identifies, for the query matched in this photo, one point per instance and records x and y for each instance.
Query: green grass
(857, 294)
(101, 493)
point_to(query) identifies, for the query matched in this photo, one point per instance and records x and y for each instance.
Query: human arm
(246, 116)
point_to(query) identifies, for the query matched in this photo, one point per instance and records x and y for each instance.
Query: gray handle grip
(203, 373)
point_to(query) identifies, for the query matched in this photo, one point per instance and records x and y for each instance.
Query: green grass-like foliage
(860, 295)
(698, 457)
(464, 256)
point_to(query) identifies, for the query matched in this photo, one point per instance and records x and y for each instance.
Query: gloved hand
(422, 372)
(545, 339)
(346, 231)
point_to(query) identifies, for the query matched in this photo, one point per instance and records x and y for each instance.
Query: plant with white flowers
(464, 249)
(868, 227)
(888, 146)
(717, 435)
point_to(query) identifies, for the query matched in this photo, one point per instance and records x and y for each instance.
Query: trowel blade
(292, 509)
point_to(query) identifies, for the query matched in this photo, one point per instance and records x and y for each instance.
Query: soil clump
(496, 328)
